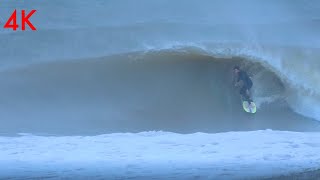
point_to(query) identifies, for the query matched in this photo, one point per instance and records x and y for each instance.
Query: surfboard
(249, 109)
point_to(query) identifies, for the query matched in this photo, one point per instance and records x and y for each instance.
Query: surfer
(242, 79)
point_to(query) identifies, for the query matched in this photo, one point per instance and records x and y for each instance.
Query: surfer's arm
(235, 79)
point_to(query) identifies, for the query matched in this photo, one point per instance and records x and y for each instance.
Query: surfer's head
(236, 69)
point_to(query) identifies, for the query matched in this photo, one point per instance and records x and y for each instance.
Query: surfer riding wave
(241, 79)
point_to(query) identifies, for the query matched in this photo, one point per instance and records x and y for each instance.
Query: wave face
(59, 62)
(178, 91)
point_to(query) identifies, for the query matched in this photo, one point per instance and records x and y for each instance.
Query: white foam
(160, 154)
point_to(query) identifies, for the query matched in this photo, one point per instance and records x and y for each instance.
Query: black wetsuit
(247, 84)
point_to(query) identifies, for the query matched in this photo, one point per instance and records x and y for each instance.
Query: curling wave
(178, 89)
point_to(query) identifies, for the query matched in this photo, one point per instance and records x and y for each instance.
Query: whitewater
(124, 89)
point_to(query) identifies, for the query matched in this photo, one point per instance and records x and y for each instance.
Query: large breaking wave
(180, 89)
(159, 63)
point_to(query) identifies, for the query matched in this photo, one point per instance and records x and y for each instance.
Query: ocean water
(143, 89)
(119, 66)
(161, 155)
